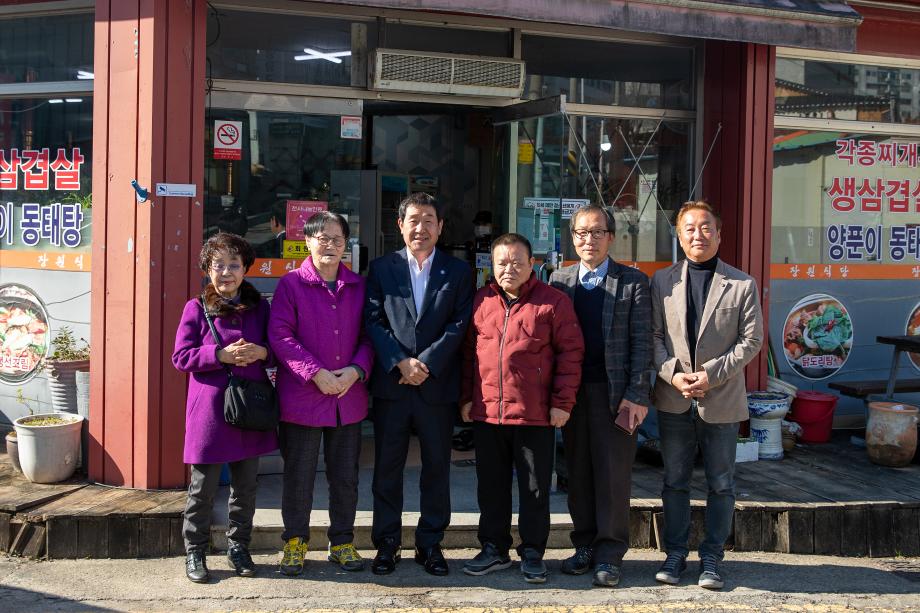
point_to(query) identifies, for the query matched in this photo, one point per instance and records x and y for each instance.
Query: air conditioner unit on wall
(443, 73)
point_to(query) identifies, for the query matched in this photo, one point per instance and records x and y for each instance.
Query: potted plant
(67, 358)
(12, 442)
(49, 445)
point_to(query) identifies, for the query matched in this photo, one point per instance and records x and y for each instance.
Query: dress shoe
(387, 557)
(240, 561)
(196, 567)
(432, 559)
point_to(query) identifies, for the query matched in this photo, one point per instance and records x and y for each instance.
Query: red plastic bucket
(814, 411)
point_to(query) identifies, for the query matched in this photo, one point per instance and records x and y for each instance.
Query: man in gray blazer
(614, 310)
(707, 325)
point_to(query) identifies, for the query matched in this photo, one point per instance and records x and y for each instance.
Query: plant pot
(82, 380)
(62, 383)
(12, 449)
(48, 453)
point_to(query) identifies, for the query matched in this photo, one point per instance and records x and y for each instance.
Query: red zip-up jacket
(522, 360)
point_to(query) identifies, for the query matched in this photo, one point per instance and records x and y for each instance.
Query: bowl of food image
(818, 336)
(24, 337)
(913, 329)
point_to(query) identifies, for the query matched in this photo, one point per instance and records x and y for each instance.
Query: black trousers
(196, 522)
(599, 457)
(500, 450)
(300, 450)
(434, 425)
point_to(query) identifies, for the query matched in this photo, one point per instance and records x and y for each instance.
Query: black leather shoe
(196, 567)
(240, 561)
(432, 559)
(387, 557)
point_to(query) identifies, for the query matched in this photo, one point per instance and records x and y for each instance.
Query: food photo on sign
(913, 329)
(817, 336)
(24, 338)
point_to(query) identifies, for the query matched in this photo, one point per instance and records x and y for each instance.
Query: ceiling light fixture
(73, 99)
(84, 75)
(55, 101)
(312, 54)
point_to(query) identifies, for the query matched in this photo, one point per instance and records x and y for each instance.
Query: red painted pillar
(739, 95)
(148, 125)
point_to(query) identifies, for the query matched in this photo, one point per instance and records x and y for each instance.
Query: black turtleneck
(699, 278)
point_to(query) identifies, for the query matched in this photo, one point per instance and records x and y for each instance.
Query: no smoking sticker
(228, 141)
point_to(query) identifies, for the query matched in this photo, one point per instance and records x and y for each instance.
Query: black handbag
(249, 405)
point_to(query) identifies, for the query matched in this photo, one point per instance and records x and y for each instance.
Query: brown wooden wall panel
(150, 117)
(738, 95)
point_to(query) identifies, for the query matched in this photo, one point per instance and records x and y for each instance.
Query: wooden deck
(823, 499)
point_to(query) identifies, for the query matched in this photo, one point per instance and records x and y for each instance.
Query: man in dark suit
(419, 302)
(614, 309)
(274, 247)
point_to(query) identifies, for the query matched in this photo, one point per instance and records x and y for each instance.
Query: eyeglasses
(233, 268)
(322, 239)
(582, 235)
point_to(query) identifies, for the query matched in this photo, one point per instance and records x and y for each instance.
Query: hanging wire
(582, 146)
(26, 110)
(705, 161)
(644, 149)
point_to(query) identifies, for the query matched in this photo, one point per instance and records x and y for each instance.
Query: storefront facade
(511, 116)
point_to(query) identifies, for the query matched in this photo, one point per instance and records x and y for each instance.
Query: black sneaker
(240, 561)
(670, 571)
(709, 574)
(196, 567)
(532, 566)
(606, 575)
(486, 561)
(580, 563)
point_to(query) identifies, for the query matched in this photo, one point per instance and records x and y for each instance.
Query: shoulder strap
(217, 338)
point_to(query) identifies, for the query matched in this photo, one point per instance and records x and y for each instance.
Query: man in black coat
(419, 302)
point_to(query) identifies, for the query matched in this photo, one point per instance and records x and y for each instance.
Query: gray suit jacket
(731, 335)
(626, 329)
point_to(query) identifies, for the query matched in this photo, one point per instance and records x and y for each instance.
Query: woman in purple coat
(317, 333)
(240, 317)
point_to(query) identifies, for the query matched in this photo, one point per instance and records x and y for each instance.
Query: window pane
(841, 198)
(46, 48)
(644, 196)
(827, 90)
(280, 48)
(286, 157)
(46, 152)
(596, 72)
(447, 40)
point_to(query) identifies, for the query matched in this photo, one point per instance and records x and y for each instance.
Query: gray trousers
(300, 450)
(196, 523)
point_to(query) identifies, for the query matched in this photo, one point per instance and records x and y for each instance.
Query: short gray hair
(595, 208)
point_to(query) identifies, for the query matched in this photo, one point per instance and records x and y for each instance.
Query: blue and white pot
(768, 405)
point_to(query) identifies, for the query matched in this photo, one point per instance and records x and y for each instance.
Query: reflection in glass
(55, 48)
(287, 157)
(858, 92)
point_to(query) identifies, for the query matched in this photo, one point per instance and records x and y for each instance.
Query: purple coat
(208, 438)
(311, 327)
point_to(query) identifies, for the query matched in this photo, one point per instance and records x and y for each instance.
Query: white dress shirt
(419, 278)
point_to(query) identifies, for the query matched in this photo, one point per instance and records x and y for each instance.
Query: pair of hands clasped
(336, 382)
(691, 385)
(242, 353)
(558, 417)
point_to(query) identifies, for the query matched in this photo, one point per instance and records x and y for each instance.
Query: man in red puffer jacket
(522, 369)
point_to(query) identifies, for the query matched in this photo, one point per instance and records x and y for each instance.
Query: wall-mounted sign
(228, 140)
(817, 336)
(24, 337)
(176, 190)
(867, 199)
(351, 127)
(33, 170)
(525, 153)
(297, 250)
(298, 212)
(59, 224)
(569, 205)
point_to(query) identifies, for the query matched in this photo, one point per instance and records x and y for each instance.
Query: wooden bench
(862, 389)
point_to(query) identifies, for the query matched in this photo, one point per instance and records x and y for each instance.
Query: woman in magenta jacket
(317, 334)
(240, 317)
